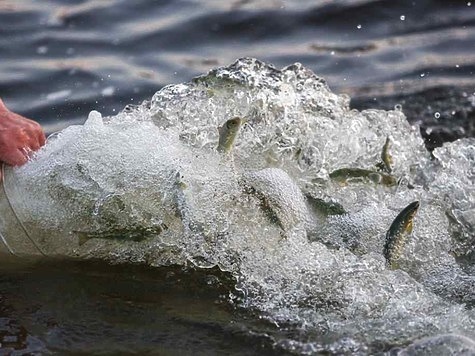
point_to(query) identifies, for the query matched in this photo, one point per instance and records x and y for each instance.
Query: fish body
(344, 175)
(324, 208)
(228, 133)
(398, 233)
(280, 197)
(386, 158)
(133, 233)
(185, 209)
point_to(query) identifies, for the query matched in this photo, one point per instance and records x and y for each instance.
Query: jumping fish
(386, 158)
(398, 233)
(343, 175)
(228, 133)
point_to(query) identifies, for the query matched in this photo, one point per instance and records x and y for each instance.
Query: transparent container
(78, 229)
(20, 234)
(14, 237)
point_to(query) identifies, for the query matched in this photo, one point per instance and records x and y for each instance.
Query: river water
(62, 59)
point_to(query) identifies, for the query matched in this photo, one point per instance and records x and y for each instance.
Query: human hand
(19, 137)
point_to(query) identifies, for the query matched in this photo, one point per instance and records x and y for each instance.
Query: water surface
(61, 59)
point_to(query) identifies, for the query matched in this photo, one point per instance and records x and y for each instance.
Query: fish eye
(232, 123)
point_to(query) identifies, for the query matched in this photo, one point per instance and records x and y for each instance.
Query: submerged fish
(280, 197)
(398, 233)
(130, 233)
(184, 208)
(386, 159)
(343, 175)
(228, 133)
(324, 208)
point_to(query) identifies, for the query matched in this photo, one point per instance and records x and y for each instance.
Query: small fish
(343, 175)
(323, 207)
(398, 233)
(280, 198)
(132, 233)
(183, 209)
(228, 133)
(180, 186)
(386, 158)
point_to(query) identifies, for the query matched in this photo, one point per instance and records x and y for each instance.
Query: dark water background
(61, 59)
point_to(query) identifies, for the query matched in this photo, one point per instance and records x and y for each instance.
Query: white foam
(155, 165)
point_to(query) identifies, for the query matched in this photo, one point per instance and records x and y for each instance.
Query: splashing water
(148, 186)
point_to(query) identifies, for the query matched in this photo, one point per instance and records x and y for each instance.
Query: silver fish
(345, 175)
(386, 159)
(228, 133)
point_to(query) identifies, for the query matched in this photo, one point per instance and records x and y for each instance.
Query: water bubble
(422, 75)
(359, 27)
(437, 115)
(469, 4)
(402, 17)
(332, 53)
(398, 107)
(457, 66)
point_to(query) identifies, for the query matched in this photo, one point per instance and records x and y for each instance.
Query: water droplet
(332, 53)
(469, 4)
(398, 107)
(359, 27)
(42, 49)
(423, 75)
(109, 91)
(457, 66)
(402, 17)
(437, 115)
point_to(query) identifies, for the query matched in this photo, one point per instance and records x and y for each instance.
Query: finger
(34, 144)
(31, 142)
(41, 137)
(37, 132)
(15, 157)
